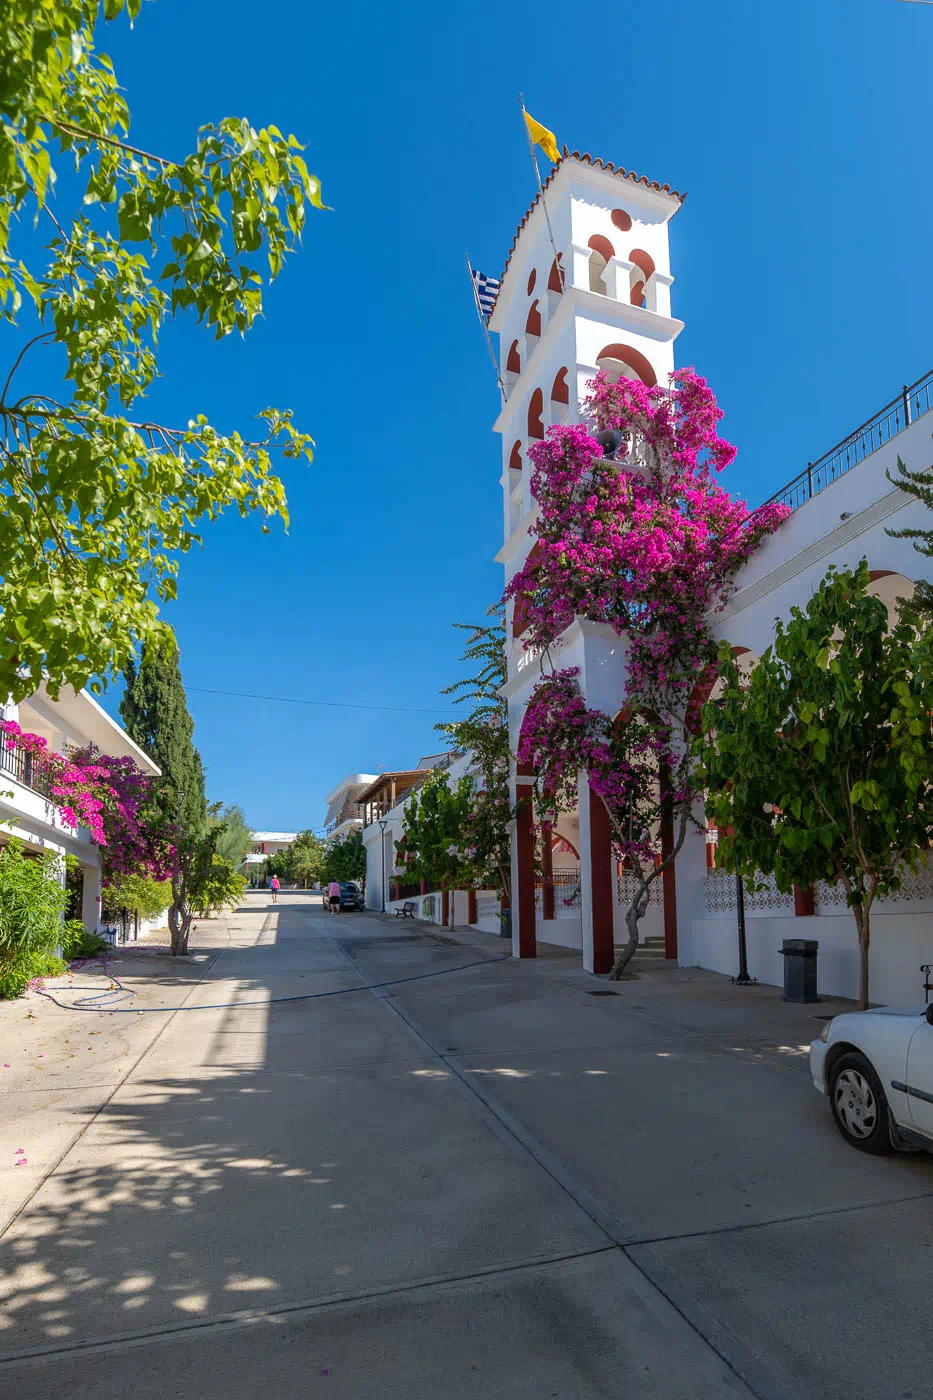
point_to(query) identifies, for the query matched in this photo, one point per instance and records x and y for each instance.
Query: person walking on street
(333, 895)
(274, 884)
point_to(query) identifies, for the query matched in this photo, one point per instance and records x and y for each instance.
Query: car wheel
(859, 1106)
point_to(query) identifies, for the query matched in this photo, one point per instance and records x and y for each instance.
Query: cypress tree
(155, 712)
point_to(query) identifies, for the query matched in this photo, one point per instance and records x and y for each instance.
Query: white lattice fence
(917, 885)
(627, 888)
(487, 906)
(720, 895)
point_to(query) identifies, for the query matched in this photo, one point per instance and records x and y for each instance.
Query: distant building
(344, 814)
(265, 844)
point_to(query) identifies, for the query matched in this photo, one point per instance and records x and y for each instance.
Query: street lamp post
(382, 840)
(743, 979)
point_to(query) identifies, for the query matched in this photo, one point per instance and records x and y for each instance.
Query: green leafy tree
(433, 826)
(820, 761)
(155, 713)
(99, 501)
(32, 907)
(346, 860)
(306, 858)
(235, 839)
(140, 894)
(484, 734)
(216, 885)
(919, 484)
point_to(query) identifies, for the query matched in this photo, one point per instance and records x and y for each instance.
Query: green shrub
(15, 978)
(32, 902)
(76, 942)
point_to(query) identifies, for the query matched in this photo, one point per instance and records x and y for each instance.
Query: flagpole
(482, 321)
(534, 161)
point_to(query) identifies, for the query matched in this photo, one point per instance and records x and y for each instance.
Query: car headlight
(824, 1033)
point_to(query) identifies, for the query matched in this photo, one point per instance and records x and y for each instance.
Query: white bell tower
(611, 310)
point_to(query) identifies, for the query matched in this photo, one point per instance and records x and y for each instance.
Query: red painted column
(804, 902)
(601, 885)
(424, 887)
(547, 872)
(445, 908)
(524, 896)
(471, 907)
(669, 876)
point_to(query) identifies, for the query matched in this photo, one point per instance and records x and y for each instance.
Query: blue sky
(801, 256)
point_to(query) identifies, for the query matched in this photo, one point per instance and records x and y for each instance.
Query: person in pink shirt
(333, 895)
(274, 885)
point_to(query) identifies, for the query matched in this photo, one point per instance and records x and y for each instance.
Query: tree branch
(16, 363)
(72, 129)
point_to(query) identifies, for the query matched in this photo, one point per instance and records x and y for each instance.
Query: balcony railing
(911, 403)
(25, 769)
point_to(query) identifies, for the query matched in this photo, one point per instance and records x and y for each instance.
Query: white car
(877, 1068)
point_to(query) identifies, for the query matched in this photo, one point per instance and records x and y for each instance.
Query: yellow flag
(542, 137)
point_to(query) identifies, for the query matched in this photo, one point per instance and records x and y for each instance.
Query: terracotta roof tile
(586, 159)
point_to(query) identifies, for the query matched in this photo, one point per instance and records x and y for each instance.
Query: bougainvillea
(649, 544)
(105, 794)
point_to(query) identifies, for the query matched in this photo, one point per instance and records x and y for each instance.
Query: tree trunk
(863, 924)
(179, 919)
(633, 917)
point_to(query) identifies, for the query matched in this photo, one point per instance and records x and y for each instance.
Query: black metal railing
(24, 768)
(911, 403)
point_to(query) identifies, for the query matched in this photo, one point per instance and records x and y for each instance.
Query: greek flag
(487, 289)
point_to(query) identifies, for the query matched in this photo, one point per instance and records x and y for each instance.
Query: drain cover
(602, 994)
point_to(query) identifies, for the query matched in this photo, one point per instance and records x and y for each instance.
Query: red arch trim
(513, 361)
(535, 410)
(519, 617)
(515, 457)
(633, 358)
(702, 691)
(560, 393)
(642, 260)
(532, 278)
(601, 245)
(533, 323)
(621, 219)
(553, 281)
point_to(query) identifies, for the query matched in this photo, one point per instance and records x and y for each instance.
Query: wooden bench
(407, 910)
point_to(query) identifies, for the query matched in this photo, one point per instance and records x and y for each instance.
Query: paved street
(481, 1183)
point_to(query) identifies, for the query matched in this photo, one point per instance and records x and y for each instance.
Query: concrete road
(476, 1179)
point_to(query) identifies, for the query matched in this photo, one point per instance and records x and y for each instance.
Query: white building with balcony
(605, 303)
(28, 812)
(344, 812)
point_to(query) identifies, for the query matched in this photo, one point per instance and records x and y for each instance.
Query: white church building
(607, 305)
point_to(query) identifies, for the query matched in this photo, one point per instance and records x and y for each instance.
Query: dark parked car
(351, 896)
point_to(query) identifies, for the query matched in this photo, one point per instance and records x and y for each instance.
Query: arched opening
(547, 892)
(640, 275)
(513, 361)
(602, 251)
(619, 360)
(533, 322)
(535, 411)
(560, 393)
(532, 278)
(890, 588)
(520, 618)
(621, 220)
(515, 456)
(554, 283)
